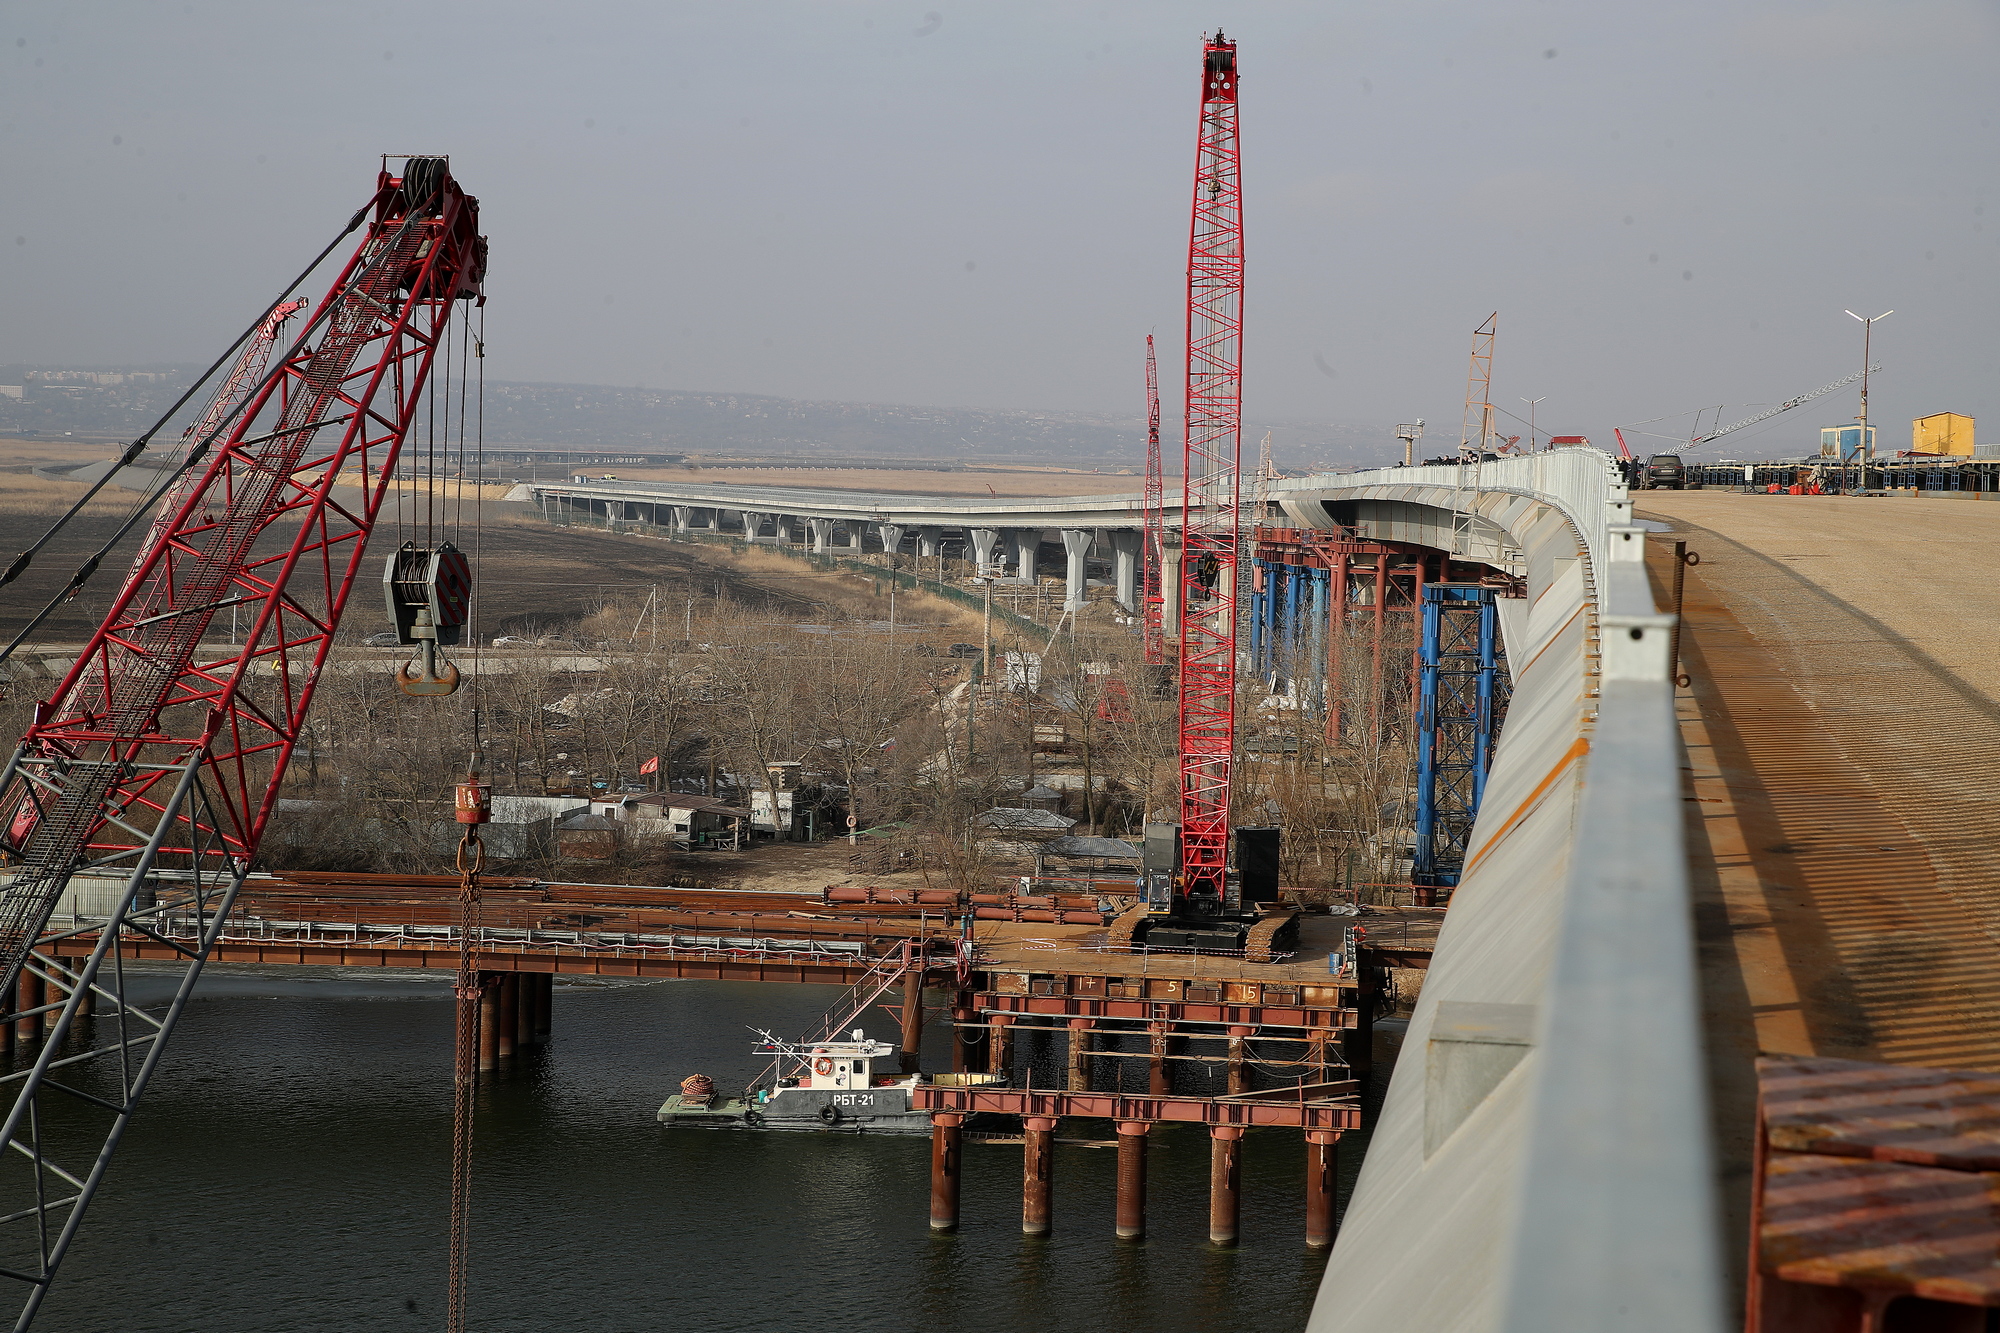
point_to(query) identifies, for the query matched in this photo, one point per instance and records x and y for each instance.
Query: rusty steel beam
(1171, 1011)
(606, 963)
(1326, 1113)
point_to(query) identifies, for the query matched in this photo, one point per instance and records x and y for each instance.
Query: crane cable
(199, 451)
(138, 446)
(468, 988)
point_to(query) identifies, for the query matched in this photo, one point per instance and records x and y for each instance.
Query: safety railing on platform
(515, 941)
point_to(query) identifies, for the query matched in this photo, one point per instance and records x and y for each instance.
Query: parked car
(513, 641)
(1664, 471)
(388, 638)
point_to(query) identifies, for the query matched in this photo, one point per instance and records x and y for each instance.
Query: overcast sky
(986, 205)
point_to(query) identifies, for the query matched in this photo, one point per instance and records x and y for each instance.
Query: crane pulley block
(435, 579)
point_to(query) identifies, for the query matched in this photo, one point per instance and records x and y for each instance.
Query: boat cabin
(845, 1064)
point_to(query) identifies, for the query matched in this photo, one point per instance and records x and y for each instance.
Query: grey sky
(987, 204)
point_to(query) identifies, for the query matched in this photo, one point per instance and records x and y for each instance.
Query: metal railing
(1585, 1179)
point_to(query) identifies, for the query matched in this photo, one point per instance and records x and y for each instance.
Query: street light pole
(1531, 419)
(1867, 334)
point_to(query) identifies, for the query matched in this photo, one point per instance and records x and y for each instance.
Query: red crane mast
(1152, 602)
(1211, 499)
(157, 759)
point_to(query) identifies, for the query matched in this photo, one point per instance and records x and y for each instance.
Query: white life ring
(822, 1066)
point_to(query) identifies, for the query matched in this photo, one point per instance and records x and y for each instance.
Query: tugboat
(835, 1087)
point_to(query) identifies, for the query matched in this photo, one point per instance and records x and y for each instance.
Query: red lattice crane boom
(1152, 602)
(1211, 495)
(157, 760)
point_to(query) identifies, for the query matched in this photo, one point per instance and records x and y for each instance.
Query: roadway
(1842, 722)
(1847, 703)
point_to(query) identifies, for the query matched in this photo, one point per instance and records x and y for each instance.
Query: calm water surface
(289, 1172)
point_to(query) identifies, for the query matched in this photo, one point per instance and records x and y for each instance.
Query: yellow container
(1942, 433)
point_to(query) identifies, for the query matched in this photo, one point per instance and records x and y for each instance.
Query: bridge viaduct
(1793, 853)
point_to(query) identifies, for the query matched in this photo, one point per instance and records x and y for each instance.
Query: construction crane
(1193, 897)
(142, 789)
(1152, 599)
(1698, 440)
(1211, 513)
(1477, 427)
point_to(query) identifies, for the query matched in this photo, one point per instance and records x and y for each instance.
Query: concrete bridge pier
(785, 529)
(1170, 590)
(822, 535)
(929, 541)
(892, 537)
(1125, 552)
(1026, 545)
(683, 517)
(983, 541)
(1076, 545)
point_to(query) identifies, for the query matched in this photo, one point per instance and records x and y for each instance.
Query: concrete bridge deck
(1844, 723)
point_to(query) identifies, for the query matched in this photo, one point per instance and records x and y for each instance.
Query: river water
(289, 1171)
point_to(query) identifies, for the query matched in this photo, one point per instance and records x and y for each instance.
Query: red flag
(651, 765)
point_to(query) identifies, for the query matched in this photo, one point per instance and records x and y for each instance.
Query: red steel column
(1225, 1191)
(28, 995)
(529, 987)
(1321, 1160)
(944, 1170)
(1239, 1073)
(913, 1022)
(1079, 1055)
(489, 1023)
(510, 1013)
(1156, 1068)
(1132, 1179)
(1037, 1173)
(1336, 644)
(966, 1046)
(1000, 1044)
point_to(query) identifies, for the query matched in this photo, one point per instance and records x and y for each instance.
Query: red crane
(1152, 603)
(1211, 494)
(155, 764)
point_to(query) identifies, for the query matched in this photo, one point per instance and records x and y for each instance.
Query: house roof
(1025, 821)
(587, 823)
(1111, 849)
(677, 800)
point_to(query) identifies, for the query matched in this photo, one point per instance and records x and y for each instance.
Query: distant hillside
(114, 403)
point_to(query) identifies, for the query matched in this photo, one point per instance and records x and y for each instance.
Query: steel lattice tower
(1211, 510)
(1152, 605)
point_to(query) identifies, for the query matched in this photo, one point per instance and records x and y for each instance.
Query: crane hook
(428, 681)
